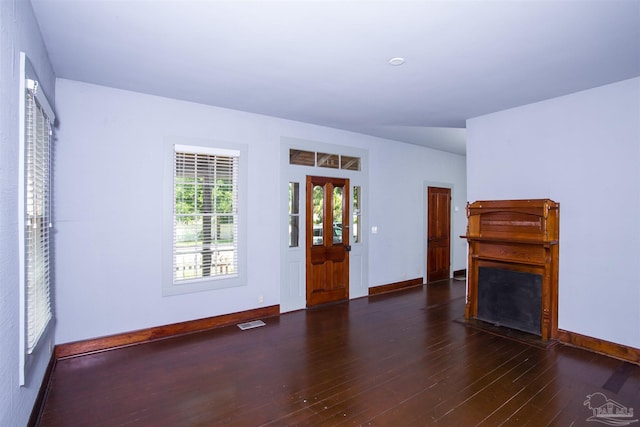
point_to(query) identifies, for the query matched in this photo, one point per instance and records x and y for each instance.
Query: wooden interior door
(327, 244)
(438, 234)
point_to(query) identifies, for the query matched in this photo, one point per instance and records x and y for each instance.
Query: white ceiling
(326, 62)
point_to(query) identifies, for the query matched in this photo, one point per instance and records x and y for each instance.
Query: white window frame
(173, 144)
(34, 188)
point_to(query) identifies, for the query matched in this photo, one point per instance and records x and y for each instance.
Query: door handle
(347, 248)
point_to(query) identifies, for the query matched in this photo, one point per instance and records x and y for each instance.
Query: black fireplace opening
(510, 298)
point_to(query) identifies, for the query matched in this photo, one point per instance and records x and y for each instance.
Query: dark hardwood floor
(395, 359)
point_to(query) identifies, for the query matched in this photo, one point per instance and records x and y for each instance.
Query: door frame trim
(292, 277)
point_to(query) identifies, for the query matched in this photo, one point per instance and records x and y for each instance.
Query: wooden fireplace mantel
(516, 235)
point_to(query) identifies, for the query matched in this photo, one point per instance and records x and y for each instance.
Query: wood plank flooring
(395, 359)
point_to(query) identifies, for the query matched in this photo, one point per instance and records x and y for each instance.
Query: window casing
(206, 238)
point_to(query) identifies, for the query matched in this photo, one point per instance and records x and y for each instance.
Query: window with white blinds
(205, 214)
(37, 217)
(35, 214)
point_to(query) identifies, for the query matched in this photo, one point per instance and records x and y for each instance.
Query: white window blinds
(205, 214)
(37, 213)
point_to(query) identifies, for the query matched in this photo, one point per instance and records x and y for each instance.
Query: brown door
(327, 226)
(438, 234)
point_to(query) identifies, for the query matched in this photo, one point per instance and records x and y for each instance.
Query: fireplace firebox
(512, 277)
(510, 298)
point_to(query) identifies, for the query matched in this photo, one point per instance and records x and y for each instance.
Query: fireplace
(513, 265)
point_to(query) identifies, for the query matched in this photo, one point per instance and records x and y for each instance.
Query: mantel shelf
(510, 240)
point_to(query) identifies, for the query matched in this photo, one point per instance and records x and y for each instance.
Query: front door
(439, 230)
(327, 230)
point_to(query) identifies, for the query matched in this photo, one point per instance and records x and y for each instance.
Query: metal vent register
(251, 325)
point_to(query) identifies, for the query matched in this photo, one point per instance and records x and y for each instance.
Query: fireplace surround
(512, 277)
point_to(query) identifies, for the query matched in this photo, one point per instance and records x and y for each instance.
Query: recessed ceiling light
(396, 61)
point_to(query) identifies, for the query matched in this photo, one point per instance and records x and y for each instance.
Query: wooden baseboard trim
(126, 339)
(619, 351)
(38, 405)
(460, 273)
(395, 286)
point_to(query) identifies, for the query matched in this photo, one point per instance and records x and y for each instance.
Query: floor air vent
(251, 325)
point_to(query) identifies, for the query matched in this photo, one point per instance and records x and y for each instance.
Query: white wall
(19, 32)
(108, 195)
(399, 178)
(582, 150)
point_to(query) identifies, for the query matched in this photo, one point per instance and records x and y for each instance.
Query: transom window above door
(323, 160)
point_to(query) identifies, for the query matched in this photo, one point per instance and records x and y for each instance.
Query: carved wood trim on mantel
(518, 235)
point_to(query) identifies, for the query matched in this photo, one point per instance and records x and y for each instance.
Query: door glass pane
(318, 214)
(293, 231)
(294, 214)
(337, 215)
(356, 214)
